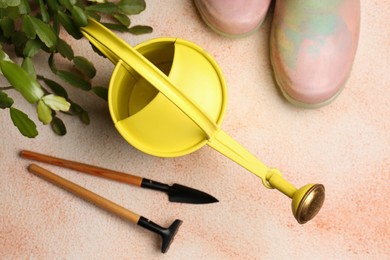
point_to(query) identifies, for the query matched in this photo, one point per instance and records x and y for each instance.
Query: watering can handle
(116, 49)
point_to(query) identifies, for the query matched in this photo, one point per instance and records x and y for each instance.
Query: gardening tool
(167, 97)
(167, 234)
(176, 192)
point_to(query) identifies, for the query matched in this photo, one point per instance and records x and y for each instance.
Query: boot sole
(228, 35)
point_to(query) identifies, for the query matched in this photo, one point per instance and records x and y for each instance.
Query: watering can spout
(306, 201)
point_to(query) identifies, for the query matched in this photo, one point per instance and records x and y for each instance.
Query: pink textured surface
(345, 146)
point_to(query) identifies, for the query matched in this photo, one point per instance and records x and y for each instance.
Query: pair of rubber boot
(312, 42)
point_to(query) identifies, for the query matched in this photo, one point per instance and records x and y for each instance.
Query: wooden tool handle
(84, 193)
(82, 167)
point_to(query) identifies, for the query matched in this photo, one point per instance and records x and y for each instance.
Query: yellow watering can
(167, 97)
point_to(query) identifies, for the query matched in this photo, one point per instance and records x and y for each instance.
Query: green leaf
(56, 103)
(52, 66)
(32, 47)
(7, 26)
(58, 126)
(84, 117)
(25, 125)
(44, 31)
(4, 56)
(80, 112)
(24, 7)
(56, 25)
(75, 108)
(132, 6)
(53, 5)
(28, 27)
(65, 49)
(84, 66)
(44, 14)
(122, 18)
(44, 112)
(96, 16)
(101, 92)
(10, 11)
(5, 100)
(22, 81)
(56, 88)
(9, 3)
(107, 8)
(28, 66)
(79, 16)
(140, 29)
(69, 26)
(66, 3)
(74, 79)
(116, 27)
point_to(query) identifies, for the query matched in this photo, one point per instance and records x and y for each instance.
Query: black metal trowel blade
(180, 193)
(184, 194)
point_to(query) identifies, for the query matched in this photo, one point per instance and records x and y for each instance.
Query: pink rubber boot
(233, 18)
(313, 45)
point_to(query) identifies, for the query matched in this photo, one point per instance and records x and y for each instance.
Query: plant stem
(6, 88)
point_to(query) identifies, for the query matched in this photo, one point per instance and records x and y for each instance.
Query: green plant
(28, 27)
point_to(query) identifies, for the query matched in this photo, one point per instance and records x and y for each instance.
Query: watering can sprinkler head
(306, 201)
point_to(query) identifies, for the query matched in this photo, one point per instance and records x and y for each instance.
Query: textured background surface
(345, 146)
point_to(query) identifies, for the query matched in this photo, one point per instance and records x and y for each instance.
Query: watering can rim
(121, 66)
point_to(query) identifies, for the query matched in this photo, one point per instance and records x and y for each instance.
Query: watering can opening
(151, 122)
(132, 92)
